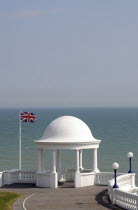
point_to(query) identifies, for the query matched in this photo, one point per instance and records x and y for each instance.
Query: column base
(53, 180)
(77, 180)
(96, 170)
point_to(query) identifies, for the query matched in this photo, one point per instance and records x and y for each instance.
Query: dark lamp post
(130, 155)
(115, 166)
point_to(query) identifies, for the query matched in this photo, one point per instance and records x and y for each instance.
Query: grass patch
(7, 199)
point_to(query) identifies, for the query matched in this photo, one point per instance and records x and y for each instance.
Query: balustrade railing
(103, 178)
(126, 200)
(24, 176)
(19, 176)
(121, 196)
(68, 174)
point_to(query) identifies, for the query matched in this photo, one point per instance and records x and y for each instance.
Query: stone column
(77, 181)
(95, 168)
(77, 161)
(53, 175)
(39, 169)
(59, 170)
(54, 162)
(58, 160)
(42, 160)
(80, 157)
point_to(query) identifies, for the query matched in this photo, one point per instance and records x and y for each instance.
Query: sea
(117, 128)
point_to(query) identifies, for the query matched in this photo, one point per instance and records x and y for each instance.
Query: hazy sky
(62, 53)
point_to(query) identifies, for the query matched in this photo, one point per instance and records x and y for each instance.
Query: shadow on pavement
(103, 199)
(21, 186)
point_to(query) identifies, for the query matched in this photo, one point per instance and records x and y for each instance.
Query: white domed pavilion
(70, 133)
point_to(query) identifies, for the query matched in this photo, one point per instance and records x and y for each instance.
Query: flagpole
(20, 139)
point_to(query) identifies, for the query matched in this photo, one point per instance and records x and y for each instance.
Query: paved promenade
(63, 198)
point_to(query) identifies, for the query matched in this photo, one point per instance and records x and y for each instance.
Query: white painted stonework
(126, 195)
(70, 133)
(67, 129)
(1, 173)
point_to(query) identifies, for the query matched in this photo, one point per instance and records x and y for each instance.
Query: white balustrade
(121, 196)
(24, 176)
(19, 176)
(68, 174)
(103, 178)
(125, 200)
(125, 182)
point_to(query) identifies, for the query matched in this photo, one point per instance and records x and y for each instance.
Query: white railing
(102, 178)
(121, 196)
(24, 176)
(126, 200)
(19, 176)
(68, 174)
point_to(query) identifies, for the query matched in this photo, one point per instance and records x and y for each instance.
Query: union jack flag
(27, 117)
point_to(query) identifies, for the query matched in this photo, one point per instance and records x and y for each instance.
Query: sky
(68, 53)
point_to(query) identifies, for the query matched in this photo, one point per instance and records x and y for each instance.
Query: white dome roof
(67, 129)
